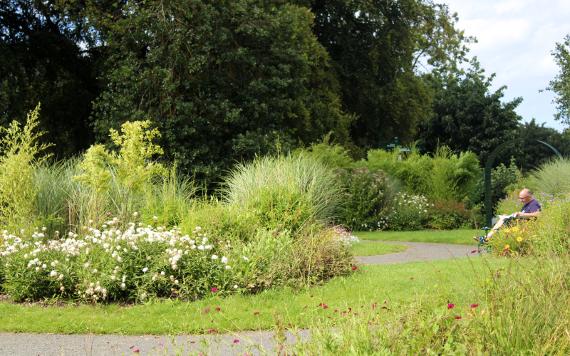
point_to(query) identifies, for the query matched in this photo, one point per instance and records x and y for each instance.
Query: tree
(41, 61)
(560, 85)
(468, 116)
(532, 153)
(379, 48)
(222, 80)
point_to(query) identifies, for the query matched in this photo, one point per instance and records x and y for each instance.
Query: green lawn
(442, 236)
(395, 286)
(372, 248)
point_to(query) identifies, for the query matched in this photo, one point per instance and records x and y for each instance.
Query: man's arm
(527, 215)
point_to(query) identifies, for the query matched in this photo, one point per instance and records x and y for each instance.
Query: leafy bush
(284, 192)
(449, 214)
(333, 156)
(409, 212)
(20, 155)
(114, 265)
(366, 197)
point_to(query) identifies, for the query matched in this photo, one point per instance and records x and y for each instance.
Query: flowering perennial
(113, 264)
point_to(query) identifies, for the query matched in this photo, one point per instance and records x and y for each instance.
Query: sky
(515, 41)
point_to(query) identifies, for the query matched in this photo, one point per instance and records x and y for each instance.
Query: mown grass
(373, 248)
(389, 286)
(437, 236)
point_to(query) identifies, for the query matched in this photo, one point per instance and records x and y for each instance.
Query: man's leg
(497, 226)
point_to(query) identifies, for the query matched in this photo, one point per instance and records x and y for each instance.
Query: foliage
(376, 48)
(284, 192)
(560, 85)
(226, 81)
(552, 178)
(468, 116)
(21, 152)
(409, 212)
(43, 58)
(443, 176)
(331, 155)
(367, 195)
(449, 214)
(534, 154)
(112, 265)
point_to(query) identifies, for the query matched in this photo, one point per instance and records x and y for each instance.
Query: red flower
(354, 268)
(214, 289)
(236, 341)
(450, 305)
(458, 317)
(474, 306)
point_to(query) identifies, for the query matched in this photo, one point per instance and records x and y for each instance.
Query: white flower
(235, 286)
(245, 258)
(214, 257)
(224, 259)
(228, 267)
(123, 286)
(145, 269)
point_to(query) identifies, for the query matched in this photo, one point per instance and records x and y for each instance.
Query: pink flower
(473, 306)
(458, 317)
(450, 305)
(236, 341)
(214, 289)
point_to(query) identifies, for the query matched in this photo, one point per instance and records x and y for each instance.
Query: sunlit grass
(438, 236)
(391, 285)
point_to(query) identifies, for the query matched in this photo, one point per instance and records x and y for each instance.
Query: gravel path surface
(239, 343)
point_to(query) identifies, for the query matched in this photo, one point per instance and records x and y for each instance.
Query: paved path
(240, 343)
(419, 251)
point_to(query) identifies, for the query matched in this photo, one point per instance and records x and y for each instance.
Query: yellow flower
(519, 239)
(506, 247)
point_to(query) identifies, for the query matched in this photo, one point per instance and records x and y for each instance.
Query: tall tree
(223, 80)
(560, 85)
(379, 48)
(532, 153)
(41, 59)
(468, 115)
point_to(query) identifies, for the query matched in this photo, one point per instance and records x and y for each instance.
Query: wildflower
(224, 259)
(236, 341)
(235, 286)
(228, 267)
(458, 317)
(354, 268)
(519, 239)
(214, 289)
(506, 247)
(214, 257)
(145, 269)
(450, 305)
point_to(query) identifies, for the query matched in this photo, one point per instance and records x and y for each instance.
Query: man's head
(525, 195)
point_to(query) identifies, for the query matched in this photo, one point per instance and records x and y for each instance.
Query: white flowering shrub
(409, 212)
(109, 264)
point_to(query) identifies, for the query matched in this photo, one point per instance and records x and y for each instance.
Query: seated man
(531, 208)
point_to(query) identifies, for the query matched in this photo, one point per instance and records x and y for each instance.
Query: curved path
(419, 251)
(238, 343)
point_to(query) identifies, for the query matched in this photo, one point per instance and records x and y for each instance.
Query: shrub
(109, 264)
(333, 156)
(284, 192)
(409, 212)
(366, 197)
(449, 214)
(20, 154)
